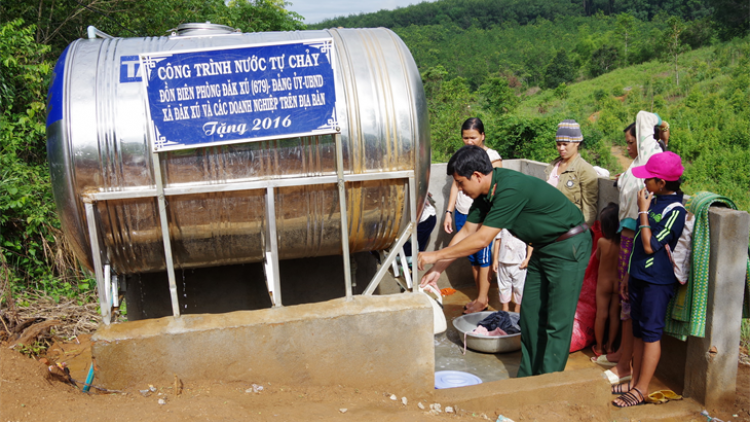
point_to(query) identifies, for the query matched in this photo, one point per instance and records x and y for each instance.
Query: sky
(315, 11)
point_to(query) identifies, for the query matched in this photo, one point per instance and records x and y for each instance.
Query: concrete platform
(582, 385)
(368, 342)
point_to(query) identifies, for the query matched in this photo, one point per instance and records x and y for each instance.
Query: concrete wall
(459, 273)
(371, 341)
(711, 362)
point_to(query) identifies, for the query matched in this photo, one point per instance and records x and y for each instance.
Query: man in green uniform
(540, 215)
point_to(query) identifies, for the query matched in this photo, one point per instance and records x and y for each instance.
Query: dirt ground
(29, 393)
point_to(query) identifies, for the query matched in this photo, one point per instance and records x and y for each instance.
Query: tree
(432, 78)
(673, 43)
(27, 218)
(263, 15)
(732, 17)
(59, 23)
(559, 70)
(497, 96)
(627, 30)
(562, 92)
(603, 60)
(449, 106)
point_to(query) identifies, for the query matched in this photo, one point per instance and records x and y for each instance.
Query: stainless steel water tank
(98, 142)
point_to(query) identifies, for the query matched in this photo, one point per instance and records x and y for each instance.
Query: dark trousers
(424, 230)
(550, 296)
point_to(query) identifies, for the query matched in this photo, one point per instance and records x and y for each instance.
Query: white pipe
(93, 33)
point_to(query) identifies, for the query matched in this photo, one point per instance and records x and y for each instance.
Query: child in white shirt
(510, 257)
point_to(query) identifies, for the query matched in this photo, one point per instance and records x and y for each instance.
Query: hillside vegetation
(524, 67)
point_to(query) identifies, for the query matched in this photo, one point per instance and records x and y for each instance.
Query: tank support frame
(106, 279)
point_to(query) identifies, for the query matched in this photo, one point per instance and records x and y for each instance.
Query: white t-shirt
(463, 202)
(512, 249)
(427, 212)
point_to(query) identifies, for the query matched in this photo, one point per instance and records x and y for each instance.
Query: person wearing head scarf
(642, 133)
(644, 139)
(571, 174)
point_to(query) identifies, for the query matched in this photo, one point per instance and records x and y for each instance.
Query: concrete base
(584, 392)
(509, 397)
(367, 342)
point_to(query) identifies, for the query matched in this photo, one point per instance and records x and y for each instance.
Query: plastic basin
(465, 324)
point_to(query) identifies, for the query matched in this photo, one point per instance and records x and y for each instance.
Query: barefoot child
(607, 296)
(510, 257)
(652, 280)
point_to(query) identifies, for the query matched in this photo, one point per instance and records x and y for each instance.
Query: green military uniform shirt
(530, 208)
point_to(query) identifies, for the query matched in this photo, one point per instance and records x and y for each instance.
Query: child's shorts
(510, 280)
(648, 308)
(483, 258)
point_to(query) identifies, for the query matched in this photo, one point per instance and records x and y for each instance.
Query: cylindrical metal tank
(98, 142)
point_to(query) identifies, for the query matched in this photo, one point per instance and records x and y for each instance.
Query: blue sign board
(252, 93)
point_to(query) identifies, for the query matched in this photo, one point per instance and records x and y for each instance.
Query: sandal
(629, 399)
(596, 354)
(615, 379)
(667, 394)
(621, 388)
(657, 398)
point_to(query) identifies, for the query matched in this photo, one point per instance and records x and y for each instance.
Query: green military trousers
(550, 296)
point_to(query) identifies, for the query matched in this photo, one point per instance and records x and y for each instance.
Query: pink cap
(664, 165)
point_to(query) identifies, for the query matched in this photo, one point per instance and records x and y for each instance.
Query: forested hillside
(488, 13)
(524, 66)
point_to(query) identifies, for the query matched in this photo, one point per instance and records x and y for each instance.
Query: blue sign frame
(209, 97)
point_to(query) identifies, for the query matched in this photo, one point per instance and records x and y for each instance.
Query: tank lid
(206, 28)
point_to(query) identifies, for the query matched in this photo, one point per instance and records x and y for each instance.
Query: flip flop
(656, 398)
(593, 349)
(603, 361)
(614, 379)
(668, 394)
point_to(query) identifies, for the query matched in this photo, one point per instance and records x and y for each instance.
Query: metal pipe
(273, 281)
(101, 287)
(93, 33)
(165, 234)
(415, 220)
(344, 219)
(389, 260)
(189, 189)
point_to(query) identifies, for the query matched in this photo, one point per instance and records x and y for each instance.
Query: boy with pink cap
(652, 280)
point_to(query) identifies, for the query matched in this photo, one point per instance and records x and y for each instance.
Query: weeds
(37, 349)
(745, 334)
